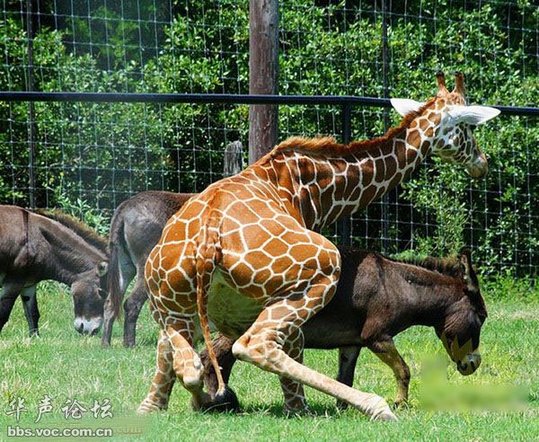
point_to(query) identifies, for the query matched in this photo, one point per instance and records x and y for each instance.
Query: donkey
(135, 229)
(376, 299)
(36, 247)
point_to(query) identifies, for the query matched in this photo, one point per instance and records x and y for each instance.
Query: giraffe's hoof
(149, 407)
(226, 401)
(386, 415)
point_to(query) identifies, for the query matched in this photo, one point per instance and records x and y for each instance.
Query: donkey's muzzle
(469, 364)
(87, 326)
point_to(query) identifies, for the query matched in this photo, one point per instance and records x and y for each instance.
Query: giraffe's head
(448, 123)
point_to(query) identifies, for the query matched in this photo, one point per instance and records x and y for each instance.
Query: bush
(101, 153)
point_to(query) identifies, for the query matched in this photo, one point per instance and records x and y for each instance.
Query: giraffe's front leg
(294, 396)
(163, 380)
(262, 344)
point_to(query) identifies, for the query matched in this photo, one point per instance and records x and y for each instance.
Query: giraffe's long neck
(325, 186)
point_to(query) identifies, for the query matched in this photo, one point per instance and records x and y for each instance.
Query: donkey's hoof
(224, 402)
(298, 412)
(401, 404)
(129, 341)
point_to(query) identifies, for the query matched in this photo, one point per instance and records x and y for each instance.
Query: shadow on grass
(276, 410)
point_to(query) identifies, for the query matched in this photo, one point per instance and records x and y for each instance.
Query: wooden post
(263, 71)
(31, 108)
(392, 194)
(233, 159)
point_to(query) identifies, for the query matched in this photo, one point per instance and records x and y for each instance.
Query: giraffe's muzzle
(479, 167)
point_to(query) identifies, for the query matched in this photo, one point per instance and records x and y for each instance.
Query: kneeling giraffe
(245, 252)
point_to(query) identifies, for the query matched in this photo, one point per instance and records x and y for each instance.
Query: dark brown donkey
(376, 299)
(35, 247)
(135, 229)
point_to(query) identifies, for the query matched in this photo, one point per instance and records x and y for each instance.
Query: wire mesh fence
(94, 155)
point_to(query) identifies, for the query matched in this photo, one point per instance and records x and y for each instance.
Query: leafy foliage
(100, 153)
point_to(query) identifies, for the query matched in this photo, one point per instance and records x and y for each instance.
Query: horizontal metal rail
(116, 97)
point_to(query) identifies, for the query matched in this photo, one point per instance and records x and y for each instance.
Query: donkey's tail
(115, 293)
(208, 257)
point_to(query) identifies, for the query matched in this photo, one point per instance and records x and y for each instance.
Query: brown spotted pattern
(244, 252)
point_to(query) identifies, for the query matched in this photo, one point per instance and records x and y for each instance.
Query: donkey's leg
(347, 366)
(163, 380)
(31, 310)
(388, 353)
(222, 347)
(132, 306)
(108, 322)
(294, 396)
(8, 297)
(262, 344)
(126, 272)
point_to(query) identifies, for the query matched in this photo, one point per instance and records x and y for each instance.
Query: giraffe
(246, 254)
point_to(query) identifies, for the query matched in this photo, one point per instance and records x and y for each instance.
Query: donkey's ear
(404, 106)
(102, 268)
(469, 274)
(473, 115)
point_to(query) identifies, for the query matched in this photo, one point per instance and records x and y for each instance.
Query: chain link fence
(87, 157)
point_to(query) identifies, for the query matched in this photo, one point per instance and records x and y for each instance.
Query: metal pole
(303, 100)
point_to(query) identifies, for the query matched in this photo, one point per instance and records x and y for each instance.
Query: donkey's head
(89, 294)
(460, 328)
(448, 125)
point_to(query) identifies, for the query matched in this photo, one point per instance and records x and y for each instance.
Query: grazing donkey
(376, 299)
(135, 228)
(36, 247)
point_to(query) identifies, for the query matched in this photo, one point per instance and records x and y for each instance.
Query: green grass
(499, 402)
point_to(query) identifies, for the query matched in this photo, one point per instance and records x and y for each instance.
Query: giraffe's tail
(208, 256)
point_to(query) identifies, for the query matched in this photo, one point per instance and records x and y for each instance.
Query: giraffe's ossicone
(245, 252)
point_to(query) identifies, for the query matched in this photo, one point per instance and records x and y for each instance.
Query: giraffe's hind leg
(163, 380)
(176, 358)
(187, 364)
(174, 310)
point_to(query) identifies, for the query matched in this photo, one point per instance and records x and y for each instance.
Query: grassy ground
(499, 402)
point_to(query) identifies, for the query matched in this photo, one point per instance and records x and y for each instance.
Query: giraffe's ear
(404, 106)
(473, 115)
